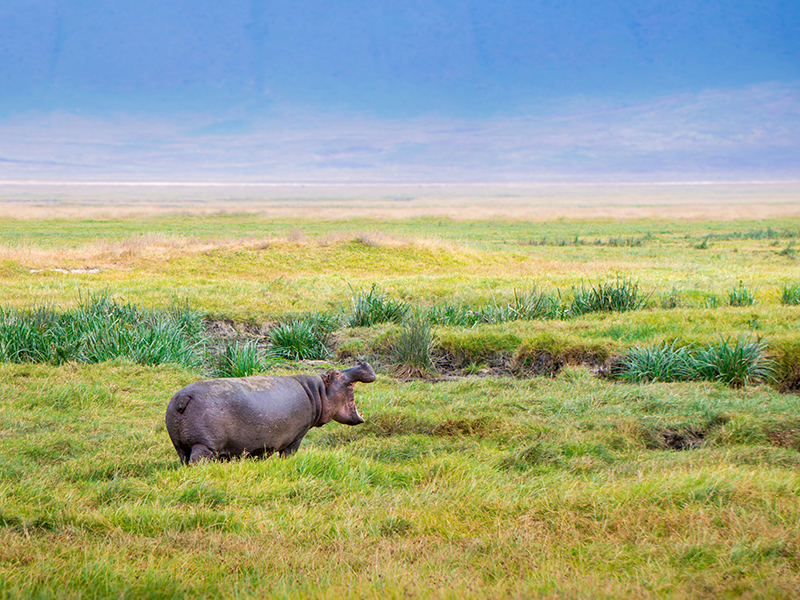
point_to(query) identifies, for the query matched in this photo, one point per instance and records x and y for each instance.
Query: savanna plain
(569, 408)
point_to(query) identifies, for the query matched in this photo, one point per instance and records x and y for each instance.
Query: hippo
(258, 415)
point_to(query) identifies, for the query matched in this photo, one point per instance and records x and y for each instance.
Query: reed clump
(100, 329)
(736, 363)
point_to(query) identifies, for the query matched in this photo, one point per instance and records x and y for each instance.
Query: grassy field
(477, 480)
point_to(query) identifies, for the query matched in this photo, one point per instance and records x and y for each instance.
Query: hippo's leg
(183, 456)
(291, 448)
(201, 452)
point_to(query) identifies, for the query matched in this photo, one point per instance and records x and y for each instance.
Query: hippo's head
(341, 404)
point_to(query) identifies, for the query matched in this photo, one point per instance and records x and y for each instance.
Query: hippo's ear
(330, 377)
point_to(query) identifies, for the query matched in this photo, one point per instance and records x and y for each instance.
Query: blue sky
(399, 89)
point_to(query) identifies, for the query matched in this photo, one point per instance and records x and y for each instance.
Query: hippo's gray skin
(256, 416)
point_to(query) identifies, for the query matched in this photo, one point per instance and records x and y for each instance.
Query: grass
(238, 360)
(522, 306)
(613, 296)
(735, 363)
(442, 493)
(662, 362)
(741, 296)
(101, 329)
(790, 295)
(303, 339)
(564, 485)
(246, 267)
(410, 349)
(374, 307)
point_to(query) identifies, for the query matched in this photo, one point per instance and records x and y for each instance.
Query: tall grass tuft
(101, 329)
(663, 362)
(671, 299)
(741, 296)
(618, 296)
(735, 363)
(238, 360)
(410, 351)
(303, 339)
(373, 307)
(522, 307)
(532, 305)
(790, 295)
(453, 314)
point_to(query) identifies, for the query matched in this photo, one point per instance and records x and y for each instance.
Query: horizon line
(300, 184)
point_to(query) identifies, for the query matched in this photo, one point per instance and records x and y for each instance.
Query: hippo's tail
(181, 402)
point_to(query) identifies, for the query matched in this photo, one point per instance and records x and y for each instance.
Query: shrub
(620, 295)
(790, 295)
(741, 296)
(303, 339)
(373, 307)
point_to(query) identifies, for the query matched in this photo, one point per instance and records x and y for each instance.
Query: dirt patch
(786, 435)
(222, 333)
(683, 440)
(538, 363)
(457, 427)
(391, 424)
(459, 364)
(790, 381)
(502, 364)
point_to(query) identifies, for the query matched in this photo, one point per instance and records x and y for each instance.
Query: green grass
(238, 360)
(613, 296)
(662, 362)
(101, 329)
(741, 296)
(560, 485)
(736, 363)
(790, 295)
(443, 492)
(303, 339)
(410, 348)
(374, 307)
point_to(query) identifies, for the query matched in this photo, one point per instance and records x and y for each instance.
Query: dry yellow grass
(534, 202)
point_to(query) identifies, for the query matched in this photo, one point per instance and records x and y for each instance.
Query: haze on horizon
(429, 91)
